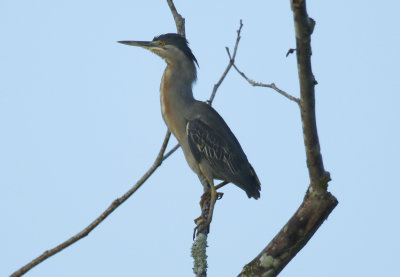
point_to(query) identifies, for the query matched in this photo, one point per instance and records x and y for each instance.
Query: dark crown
(179, 42)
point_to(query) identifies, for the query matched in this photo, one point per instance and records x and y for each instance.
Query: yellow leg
(213, 193)
(203, 222)
(214, 197)
(220, 185)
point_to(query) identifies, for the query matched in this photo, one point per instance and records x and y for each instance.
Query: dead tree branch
(228, 67)
(180, 25)
(114, 205)
(179, 20)
(318, 202)
(200, 243)
(258, 84)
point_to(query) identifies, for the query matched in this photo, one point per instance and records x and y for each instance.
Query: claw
(201, 224)
(200, 220)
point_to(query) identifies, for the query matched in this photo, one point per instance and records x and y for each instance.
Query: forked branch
(259, 84)
(228, 67)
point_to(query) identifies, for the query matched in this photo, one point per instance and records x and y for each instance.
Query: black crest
(179, 42)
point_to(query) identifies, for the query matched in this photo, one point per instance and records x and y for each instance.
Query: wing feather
(219, 148)
(210, 139)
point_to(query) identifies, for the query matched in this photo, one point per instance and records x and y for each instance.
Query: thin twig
(231, 62)
(179, 20)
(170, 152)
(258, 84)
(206, 204)
(290, 51)
(180, 27)
(115, 204)
(200, 243)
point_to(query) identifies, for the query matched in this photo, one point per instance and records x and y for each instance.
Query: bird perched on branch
(211, 149)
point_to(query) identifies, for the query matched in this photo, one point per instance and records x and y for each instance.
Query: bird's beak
(144, 44)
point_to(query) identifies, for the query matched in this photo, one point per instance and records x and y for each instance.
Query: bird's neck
(178, 79)
(176, 94)
(176, 85)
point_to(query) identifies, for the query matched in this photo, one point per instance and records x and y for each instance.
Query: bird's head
(172, 47)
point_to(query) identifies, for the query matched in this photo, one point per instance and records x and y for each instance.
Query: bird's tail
(253, 185)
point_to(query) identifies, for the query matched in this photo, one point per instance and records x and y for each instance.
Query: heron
(209, 146)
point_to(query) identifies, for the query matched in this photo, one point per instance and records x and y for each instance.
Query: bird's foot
(203, 222)
(207, 197)
(202, 225)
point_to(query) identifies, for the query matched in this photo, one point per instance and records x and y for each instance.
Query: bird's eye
(161, 43)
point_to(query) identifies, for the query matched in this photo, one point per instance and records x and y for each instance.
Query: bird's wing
(210, 139)
(217, 145)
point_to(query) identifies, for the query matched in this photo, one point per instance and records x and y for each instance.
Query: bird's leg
(213, 193)
(201, 220)
(207, 204)
(220, 185)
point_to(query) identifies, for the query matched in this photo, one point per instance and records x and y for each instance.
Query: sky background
(80, 123)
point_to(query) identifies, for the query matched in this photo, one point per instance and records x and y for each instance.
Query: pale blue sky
(80, 123)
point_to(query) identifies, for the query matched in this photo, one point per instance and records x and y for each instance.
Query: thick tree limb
(304, 27)
(293, 236)
(318, 203)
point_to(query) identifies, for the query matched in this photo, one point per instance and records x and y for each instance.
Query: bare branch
(200, 243)
(180, 24)
(231, 62)
(115, 204)
(258, 84)
(179, 20)
(318, 202)
(180, 27)
(304, 27)
(170, 152)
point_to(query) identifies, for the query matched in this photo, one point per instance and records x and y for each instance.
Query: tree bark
(318, 202)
